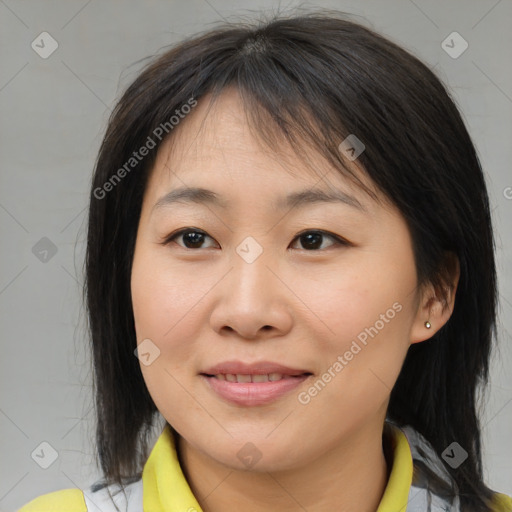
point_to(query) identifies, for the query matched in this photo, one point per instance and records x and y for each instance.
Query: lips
(252, 384)
(238, 368)
(266, 377)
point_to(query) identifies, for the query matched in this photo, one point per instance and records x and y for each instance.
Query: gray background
(54, 113)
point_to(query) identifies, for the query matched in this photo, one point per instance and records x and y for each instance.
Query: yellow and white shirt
(163, 487)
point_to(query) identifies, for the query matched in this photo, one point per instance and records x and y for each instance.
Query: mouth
(255, 377)
(250, 390)
(273, 370)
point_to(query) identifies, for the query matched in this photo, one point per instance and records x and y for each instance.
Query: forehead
(216, 146)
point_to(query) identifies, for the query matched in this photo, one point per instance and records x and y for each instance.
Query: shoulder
(65, 500)
(97, 497)
(431, 482)
(502, 502)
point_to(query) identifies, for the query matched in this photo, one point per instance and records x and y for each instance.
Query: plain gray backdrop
(54, 110)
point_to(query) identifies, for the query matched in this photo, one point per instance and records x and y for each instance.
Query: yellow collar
(396, 494)
(164, 484)
(167, 490)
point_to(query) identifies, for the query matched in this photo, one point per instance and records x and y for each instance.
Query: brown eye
(192, 238)
(312, 240)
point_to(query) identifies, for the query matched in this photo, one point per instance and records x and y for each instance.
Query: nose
(252, 301)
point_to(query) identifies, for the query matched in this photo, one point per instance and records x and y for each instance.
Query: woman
(289, 227)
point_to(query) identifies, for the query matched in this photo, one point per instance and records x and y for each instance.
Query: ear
(437, 302)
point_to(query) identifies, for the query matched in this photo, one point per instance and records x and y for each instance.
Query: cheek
(165, 307)
(166, 301)
(151, 300)
(363, 315)
(345, 300)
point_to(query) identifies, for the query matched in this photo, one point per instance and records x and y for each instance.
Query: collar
(167, 490)
(396, 494)
(165, 486)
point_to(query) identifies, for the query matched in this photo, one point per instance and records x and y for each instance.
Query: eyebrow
(198, 195)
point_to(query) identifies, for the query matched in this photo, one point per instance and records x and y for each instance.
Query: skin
(206, 304)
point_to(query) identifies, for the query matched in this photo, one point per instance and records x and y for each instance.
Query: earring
(428, 325)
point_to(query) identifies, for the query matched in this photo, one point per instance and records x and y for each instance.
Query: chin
(253, 454)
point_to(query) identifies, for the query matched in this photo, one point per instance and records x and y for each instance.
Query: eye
(193, 238)
(310, 240)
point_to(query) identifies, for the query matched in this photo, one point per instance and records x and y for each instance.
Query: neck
(351, 477)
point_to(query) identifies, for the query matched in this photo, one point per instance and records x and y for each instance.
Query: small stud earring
(428, 325)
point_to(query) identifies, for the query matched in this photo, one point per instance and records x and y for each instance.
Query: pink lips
(256, 368)
(253, 393)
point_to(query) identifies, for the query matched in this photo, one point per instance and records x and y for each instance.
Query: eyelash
(337, 239)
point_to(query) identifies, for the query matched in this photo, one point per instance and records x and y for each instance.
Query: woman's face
(250, 282)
